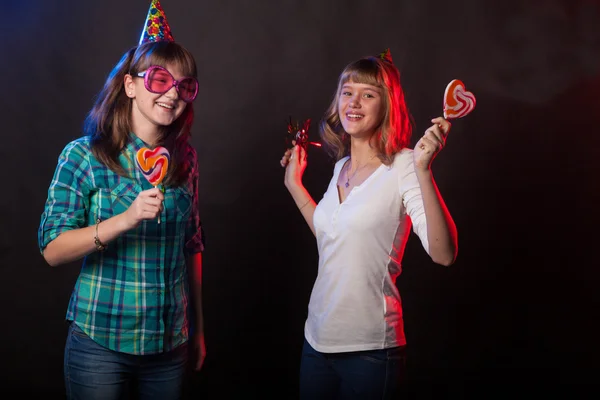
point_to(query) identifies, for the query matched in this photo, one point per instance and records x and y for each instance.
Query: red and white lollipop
(458, 102)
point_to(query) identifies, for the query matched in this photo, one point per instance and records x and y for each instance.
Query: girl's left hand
(431, 143)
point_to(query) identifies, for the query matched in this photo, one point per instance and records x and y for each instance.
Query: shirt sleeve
(67, 203)
(194, 234)
(412, 198)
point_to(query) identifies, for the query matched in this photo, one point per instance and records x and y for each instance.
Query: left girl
(140, 275)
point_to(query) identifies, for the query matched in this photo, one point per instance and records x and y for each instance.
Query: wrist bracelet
(308, 201)
(99, 245)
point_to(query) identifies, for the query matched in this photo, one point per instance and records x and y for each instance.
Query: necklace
(356, 171)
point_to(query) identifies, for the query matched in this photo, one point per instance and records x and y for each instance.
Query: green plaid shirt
(132, 297)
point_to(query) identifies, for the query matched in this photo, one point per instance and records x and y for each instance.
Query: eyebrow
(371, 89)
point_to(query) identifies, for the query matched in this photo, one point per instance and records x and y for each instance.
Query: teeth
(165, 105)
(354, 115)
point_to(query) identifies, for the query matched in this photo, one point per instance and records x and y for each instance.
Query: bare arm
(74, 244)
(294, 161)
(78, 243)
(305, 204)
(441, 230)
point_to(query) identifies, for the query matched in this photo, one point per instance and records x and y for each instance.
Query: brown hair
(395, 129)
(109, 121)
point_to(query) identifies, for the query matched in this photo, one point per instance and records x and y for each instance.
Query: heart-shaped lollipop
(153, 164)
(458, 102)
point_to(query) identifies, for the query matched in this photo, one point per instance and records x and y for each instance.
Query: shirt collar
(135, 143)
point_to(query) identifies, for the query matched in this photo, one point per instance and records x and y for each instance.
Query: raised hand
(432, 142)
(294, 161)
(147, 205)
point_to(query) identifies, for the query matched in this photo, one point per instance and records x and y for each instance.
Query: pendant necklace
(356, 171)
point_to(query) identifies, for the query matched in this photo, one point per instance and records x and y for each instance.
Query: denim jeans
(372, 374)
(93, 372)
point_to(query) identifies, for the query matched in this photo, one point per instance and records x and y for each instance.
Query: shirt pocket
(182, 199)
(116, 200)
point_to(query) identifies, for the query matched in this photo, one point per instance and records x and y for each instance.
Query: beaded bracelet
(99, 245)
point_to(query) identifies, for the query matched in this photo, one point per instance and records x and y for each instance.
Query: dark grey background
(519, 175)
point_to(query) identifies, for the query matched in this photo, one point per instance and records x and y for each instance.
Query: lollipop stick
(159, 211)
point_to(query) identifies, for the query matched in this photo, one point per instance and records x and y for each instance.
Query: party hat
(386, 55)
(156, 28)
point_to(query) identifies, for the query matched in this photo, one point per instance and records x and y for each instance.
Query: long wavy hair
(109, 121)
(395, 129)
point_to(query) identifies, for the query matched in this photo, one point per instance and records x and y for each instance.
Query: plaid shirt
(133, 296)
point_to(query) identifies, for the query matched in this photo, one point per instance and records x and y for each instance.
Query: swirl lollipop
(458, 102)
(153, 164)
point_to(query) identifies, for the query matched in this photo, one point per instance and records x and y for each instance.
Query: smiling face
(361, 108)
(152, 110)
(380, 112)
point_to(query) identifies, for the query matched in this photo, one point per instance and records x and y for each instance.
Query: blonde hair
(395, 129)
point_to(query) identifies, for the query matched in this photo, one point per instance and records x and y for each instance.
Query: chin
(166, 119)
(349, 130)
(357, 133)
(163, 122)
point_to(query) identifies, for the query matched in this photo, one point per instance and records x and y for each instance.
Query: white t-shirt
(354, 304)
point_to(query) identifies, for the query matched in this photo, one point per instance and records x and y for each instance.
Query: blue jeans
(95, 372)
(372, 374)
